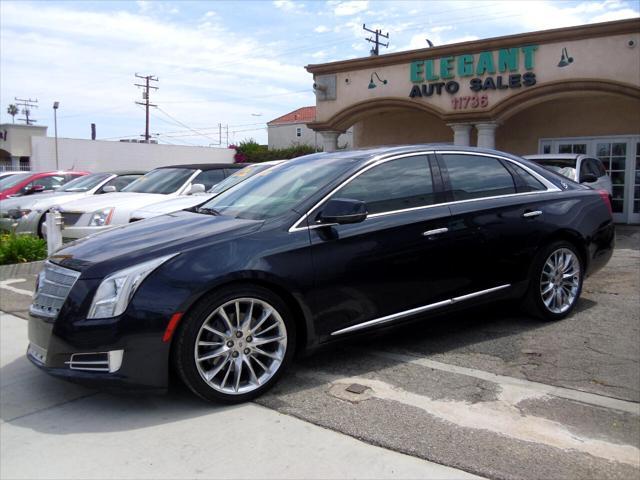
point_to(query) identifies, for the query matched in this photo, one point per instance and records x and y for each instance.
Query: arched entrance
(388, 121)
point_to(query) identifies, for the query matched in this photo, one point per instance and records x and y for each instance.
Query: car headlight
(101, 217)
(116, 291)
(18, 213)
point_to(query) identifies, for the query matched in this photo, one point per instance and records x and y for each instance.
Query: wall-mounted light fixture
(565, 59)
(372, 84)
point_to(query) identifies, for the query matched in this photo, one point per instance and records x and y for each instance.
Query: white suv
(579, 168)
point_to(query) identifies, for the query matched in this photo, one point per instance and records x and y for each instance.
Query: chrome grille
(52, 288)
(70, 218)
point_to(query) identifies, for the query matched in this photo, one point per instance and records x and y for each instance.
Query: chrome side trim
(550, 186)
(414, 311)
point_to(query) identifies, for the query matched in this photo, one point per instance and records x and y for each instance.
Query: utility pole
(27, 105)
(227, 134)
(378, 33)
(145, 96)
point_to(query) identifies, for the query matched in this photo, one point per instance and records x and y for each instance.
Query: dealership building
(569, 90)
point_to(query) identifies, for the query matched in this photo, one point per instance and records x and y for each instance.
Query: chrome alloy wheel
(560, 280)
(240, 346)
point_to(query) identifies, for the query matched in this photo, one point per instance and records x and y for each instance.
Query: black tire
(533, 302)
(192, 372)
(43, 219)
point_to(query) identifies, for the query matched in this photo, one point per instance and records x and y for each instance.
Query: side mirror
(196, 188)
(343, 211)
(588, 178)
(109, 189)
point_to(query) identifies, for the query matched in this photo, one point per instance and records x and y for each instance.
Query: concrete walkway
(52, 429)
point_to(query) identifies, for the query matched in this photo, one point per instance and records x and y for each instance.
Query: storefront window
(580, 148)
(613, 156)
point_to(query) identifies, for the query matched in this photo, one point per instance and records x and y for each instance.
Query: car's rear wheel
(235, 344)
(556, 282)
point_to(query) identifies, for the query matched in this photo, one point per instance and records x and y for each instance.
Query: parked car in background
(99, 213)
(27, 214)
(577, 167)
(321, 247)
(8, 174)
(181, 203)
(28, 183)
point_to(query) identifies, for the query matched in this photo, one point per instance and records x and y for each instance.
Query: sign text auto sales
(493, 70)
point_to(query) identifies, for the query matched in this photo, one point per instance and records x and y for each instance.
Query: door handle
(437, 231)
(532, 214)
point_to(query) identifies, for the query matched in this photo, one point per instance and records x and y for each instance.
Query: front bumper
(74, 233)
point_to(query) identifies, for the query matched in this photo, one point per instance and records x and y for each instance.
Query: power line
(187, 126)
(145, 97)
(27, 104)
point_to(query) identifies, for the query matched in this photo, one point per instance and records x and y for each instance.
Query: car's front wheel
(235, 344)
(556, 282)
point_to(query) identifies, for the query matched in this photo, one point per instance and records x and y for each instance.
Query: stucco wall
(18, 142)
(568, 117)
(593, 59)
(397, 128)
(96, 155)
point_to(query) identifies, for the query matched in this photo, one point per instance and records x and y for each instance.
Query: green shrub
(252, 152)
(21, 248)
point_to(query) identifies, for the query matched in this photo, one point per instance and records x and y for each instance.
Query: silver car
(26, 215)
(577, 167)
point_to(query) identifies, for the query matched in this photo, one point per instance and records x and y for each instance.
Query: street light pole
(55, 128)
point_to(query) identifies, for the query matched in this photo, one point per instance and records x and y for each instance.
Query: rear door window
(394, 185)
(472, 176)
(531, 184)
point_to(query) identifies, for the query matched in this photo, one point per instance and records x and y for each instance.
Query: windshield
(275, 191)
(162, 180)
(87, 182)
(13, 180)
(239, 176)
(558, 165)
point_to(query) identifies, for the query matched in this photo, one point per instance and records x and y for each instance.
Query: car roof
(564, 156)
(206, 166)
(126, 172)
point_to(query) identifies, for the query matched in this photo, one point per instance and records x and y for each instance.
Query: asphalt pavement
(488, 391)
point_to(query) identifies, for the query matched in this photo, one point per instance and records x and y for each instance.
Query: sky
(237, 63)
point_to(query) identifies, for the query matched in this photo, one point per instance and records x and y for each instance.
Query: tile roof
(301, 115)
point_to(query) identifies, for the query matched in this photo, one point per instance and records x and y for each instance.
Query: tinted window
(395, 185)
(475, 177)
(119, 182)
(47, 182)
(531, 183)
(162, 180)
(209, 178)
(82, 184)
(13, 180)
(275, 191)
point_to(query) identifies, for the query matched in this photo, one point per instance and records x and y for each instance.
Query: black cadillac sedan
(310, 251)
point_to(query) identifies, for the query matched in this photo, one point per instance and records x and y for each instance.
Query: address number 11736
(472, 101)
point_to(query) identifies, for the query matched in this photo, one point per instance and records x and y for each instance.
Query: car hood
(128, 200)
(99, 255)
(40, 201)
(172, 205)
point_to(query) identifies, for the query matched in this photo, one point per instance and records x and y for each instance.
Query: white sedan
(96, 214)
(182, 203)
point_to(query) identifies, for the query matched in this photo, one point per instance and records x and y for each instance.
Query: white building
(26, 147)
(290, 130)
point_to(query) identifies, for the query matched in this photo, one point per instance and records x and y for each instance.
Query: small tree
(13, 111)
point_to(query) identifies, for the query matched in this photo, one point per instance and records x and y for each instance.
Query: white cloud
(442, 28)
(617, 15)
(321, 29)
(97, 53)
(288, 5)
(210, 14)
(348, 8)
(319, 54)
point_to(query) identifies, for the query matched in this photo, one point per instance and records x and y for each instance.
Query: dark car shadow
(79, 410)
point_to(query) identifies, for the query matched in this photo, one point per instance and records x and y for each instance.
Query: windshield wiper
(208, 211)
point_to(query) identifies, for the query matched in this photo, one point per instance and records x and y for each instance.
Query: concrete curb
(20, 269)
